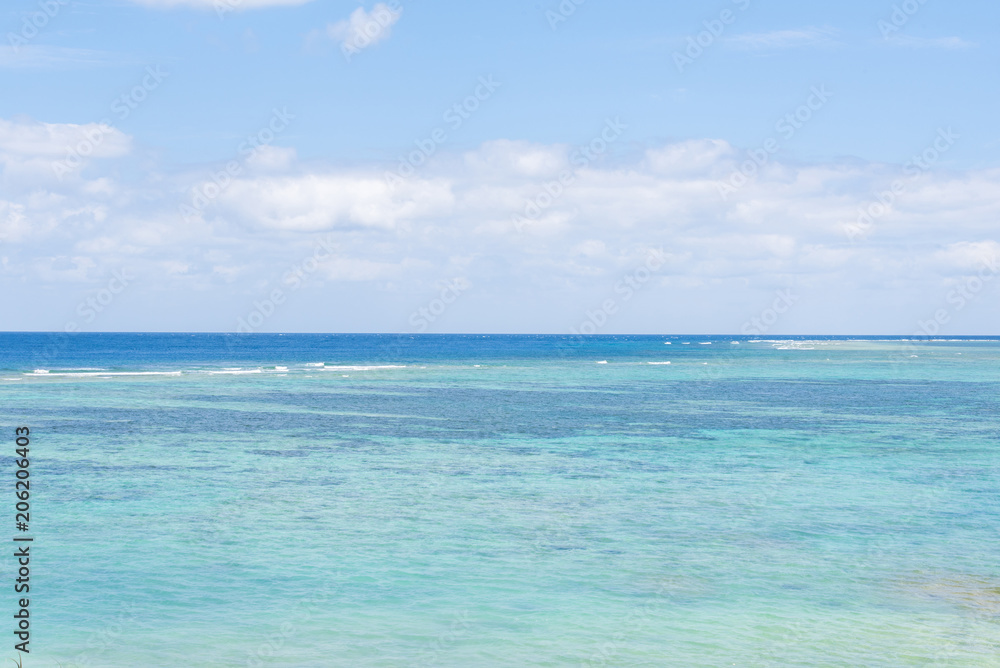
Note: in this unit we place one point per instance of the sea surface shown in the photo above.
(353, 500)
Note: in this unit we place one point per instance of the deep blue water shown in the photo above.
(19, 350)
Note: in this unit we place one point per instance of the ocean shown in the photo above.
(469, 500)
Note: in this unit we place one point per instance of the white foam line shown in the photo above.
(363, 368)
(235, 372)
(105, 374)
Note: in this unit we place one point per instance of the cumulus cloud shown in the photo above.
(33, 154)
(314, 202)
(583, 224)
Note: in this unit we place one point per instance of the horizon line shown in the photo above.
(761, 337)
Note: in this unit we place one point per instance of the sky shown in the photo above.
(651, 167)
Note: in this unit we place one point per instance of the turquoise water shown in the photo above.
(507, 501)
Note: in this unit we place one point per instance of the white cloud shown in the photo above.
(34, 154)
(33, 139)
(689, 157)
(590, 248)
(359, 270)
(363, 29)
(13, 224)
(966, 257)
(271, 159)
(314, 202)
(517, 158)
(909, 41)
(454, 218)
(792, 220)
(40, 56)
(784, 39)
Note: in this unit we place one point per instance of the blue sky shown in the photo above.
(370, 203)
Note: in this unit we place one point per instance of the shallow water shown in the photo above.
(466, 500)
